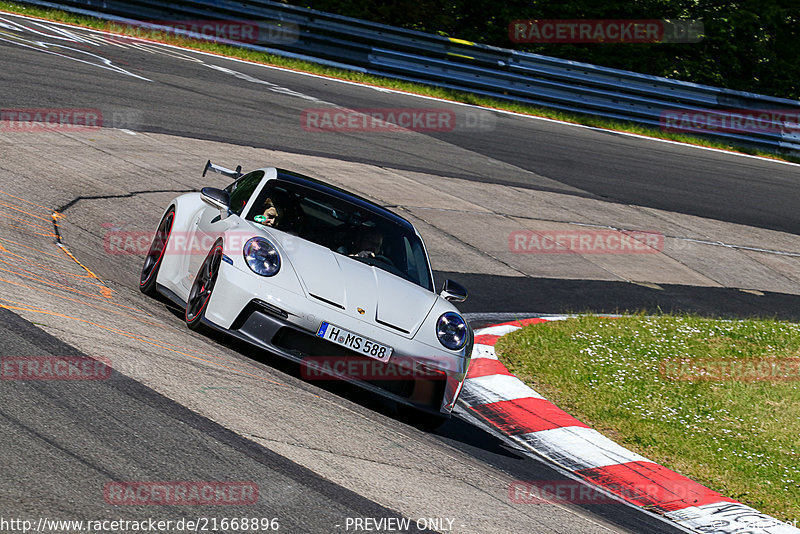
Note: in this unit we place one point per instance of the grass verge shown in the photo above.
(415, 88)
(692, 394)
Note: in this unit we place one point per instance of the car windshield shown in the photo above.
(344, 228)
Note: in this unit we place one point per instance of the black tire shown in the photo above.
(152, 262)
(420, 419)
(202, 287)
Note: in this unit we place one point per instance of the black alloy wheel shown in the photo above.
(202, 287)
(152, 262)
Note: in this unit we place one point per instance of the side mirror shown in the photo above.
(453, 291)
(218, 198)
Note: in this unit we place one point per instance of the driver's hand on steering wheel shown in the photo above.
(364, 254)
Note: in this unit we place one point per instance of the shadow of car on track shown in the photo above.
(525, 295)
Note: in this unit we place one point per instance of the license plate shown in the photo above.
(354, 342)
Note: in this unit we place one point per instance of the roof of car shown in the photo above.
(341, 194)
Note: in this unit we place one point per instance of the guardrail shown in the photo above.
(462, 65)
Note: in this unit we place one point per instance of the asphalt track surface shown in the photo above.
(247, 105)
(77, 437)
(190, 99)
(64, 440)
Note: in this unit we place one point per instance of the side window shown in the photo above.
(242, 189)
(417, 263)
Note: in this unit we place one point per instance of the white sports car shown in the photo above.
(318, 275)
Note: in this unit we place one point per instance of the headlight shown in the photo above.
(452, 331)
(262, 257)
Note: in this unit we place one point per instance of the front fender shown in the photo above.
(173, 268)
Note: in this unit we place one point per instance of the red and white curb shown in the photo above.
(501, 400)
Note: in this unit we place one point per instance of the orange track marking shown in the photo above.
(142, 340)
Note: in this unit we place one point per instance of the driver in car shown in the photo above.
(369, 244)
(271, 214)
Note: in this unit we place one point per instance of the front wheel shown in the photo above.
(152, 262)
(202, 287)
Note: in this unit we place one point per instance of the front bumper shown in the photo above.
(285, 323)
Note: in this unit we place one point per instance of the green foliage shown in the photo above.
(749, 45)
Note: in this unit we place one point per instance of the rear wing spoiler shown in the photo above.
(222, 170)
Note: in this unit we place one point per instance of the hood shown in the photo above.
(387, 300)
